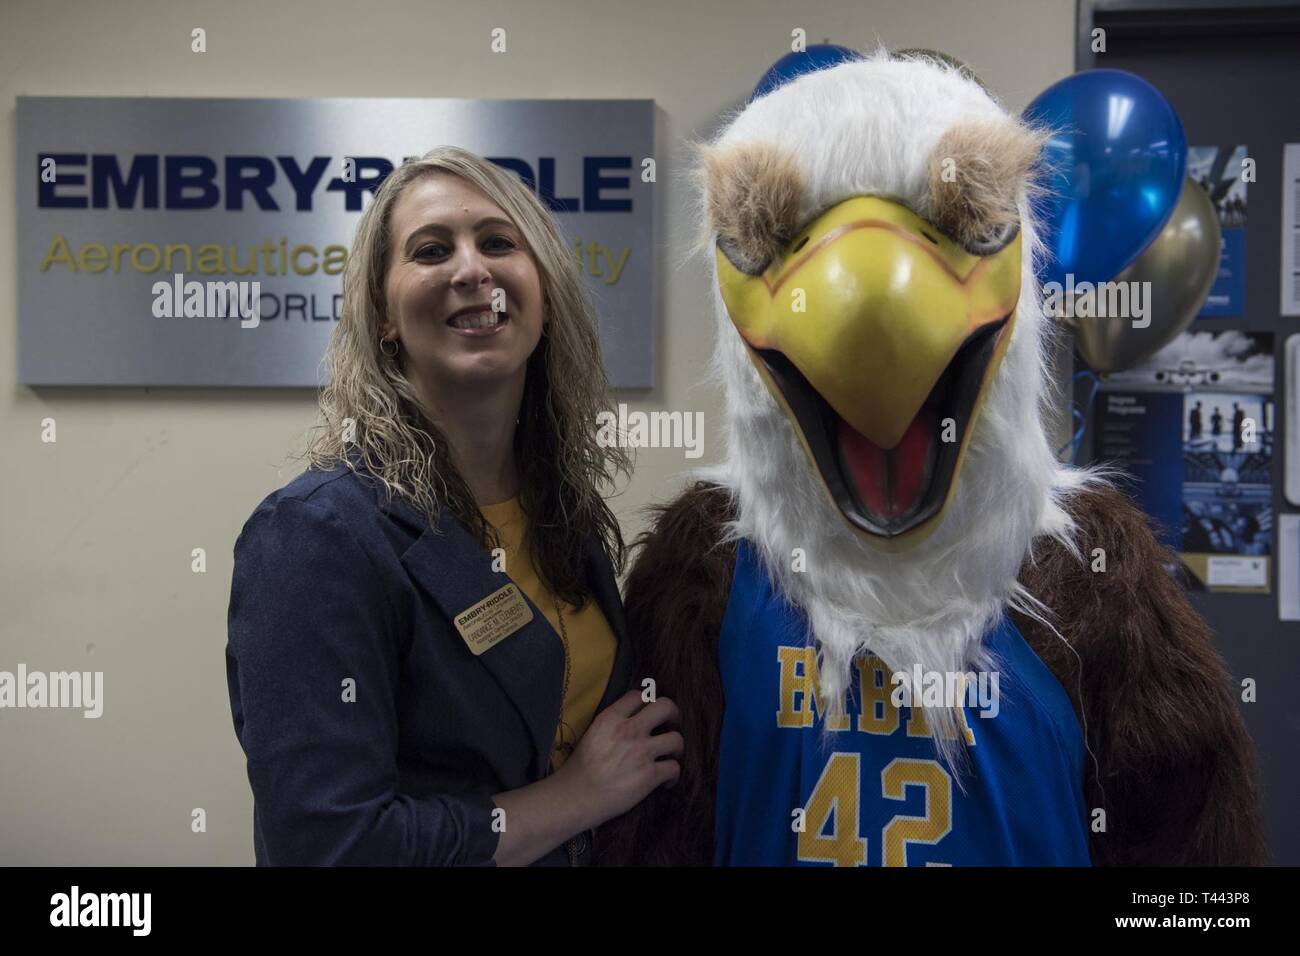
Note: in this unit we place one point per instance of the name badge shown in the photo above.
(493, 619)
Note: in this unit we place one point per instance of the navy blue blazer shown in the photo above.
(333, 582)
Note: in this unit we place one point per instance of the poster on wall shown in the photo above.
(1221, 170)
(1194, 425)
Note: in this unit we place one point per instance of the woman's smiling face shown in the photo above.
(450, 248)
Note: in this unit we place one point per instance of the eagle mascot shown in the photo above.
(899, 631)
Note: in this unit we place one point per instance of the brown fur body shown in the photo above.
(1175, 768)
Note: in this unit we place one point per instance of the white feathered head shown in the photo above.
(882, 349)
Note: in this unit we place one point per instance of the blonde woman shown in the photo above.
(426, 641)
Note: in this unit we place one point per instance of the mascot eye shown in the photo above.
(993, 240)
(754, 262)
(745, 260)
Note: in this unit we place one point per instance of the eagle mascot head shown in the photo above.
(882, 347)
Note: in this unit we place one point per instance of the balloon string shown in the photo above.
(1081, 417)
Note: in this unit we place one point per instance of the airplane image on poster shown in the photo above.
(1194, 426)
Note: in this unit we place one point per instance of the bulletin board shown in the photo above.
(1232, 71)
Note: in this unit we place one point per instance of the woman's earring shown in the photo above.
(393, 343)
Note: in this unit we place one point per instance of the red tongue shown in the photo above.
(890, 484)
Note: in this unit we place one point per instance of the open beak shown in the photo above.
(878, 336)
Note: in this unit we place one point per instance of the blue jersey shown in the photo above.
(869, 791)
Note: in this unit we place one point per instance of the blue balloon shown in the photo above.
(1118, 159)
(816, 57)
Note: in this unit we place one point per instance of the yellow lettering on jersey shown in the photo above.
(918, 726)
(834, 799)
(879, 715)
(930, 828)
(795, 709)
(800, 692)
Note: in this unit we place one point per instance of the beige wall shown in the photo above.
(96, 530)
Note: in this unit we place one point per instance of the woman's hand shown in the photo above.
(615, 766)
(620, 759)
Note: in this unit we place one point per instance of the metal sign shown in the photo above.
(202, 241)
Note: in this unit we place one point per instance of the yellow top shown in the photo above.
(591, 641)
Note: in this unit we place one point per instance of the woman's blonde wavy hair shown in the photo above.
(562, 465)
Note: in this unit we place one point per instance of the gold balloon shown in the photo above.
(1180, 265)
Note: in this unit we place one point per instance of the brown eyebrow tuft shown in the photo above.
(978, 170)
(753, 194)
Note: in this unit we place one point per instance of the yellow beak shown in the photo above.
(871, 304)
